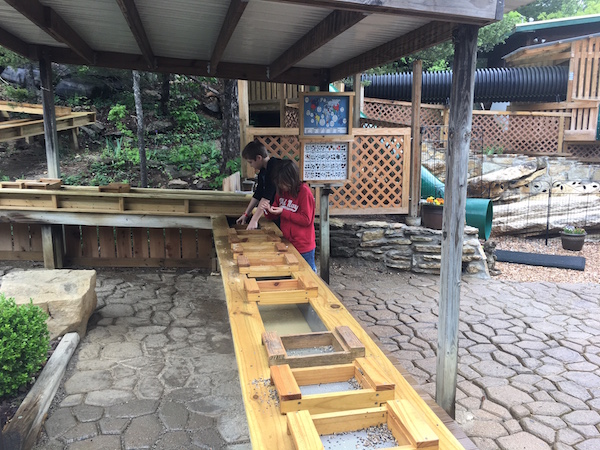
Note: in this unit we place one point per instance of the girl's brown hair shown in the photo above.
(288, 174)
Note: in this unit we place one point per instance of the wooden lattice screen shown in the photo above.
(380, 168)
(399, 113)
(93, 246)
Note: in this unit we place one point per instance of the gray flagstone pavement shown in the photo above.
(157, 368)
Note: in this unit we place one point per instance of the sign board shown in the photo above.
(326, 114)
(325, 162)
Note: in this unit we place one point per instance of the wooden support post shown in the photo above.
(50, 133)
(74, 139)
(457, 158)
(244, 119)
(415, 150)
(358, 100)
(324, 233)
(282, 103)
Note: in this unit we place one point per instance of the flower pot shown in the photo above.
(431, 216)
(573, 242)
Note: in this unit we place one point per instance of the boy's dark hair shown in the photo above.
(254, 149)
(288, 174)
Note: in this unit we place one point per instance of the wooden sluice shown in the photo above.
(279, 415)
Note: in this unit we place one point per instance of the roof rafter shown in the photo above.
(49, 21)
(334, 24)
(233, 16)
(426, 36)
(12, 42)
(132, 16)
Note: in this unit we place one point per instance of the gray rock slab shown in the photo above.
(87, 413)
(98, 442)
(523, 440)
(134, 408)
(87, 381)
(108, 397)
(143, 432)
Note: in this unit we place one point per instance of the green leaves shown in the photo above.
(23, 343)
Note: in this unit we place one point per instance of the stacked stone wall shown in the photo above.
(402, 247)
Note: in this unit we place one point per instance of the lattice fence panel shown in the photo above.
(291, 117)
(503, 133)
(378, 173)
(377, 177)
(589, 152)
(398, 113)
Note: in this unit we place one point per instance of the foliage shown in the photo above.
(556, 9)
(493, 150)
(437, 201)
(571, 229)
(117, 115)
(23, 343)
(19, 94)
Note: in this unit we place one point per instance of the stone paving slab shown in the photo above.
(156, 369)
(529, 353)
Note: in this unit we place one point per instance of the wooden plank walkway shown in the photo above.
(268, 427)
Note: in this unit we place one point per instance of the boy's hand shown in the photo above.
(241, 220)
(253, 225)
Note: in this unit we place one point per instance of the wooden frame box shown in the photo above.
(256, 236)
(280, 292)
(261, 247)
(346, 348)
(402, 419)
(259, 265)
(375, 389)
(326, 114)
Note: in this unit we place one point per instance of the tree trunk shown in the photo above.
(230, 125)
(165, 94)
(139, 112)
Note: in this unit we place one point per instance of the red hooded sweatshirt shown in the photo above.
(298, 218)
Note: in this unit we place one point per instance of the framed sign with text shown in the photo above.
(325, 162)
(326, 114)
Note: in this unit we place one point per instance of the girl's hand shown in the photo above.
(264, 204)
(275, 210)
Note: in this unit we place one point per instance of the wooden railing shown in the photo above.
(379, 169)
(142, 228)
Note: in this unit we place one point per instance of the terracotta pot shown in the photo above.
(431, 216)
(573, 242)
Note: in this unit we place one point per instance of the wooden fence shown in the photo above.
(379, 170)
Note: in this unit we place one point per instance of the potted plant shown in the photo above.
(432, 212)
(572, 238)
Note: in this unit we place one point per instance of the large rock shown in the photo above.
(68, 296)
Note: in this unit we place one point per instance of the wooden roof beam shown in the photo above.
(132, 16)
(428, 35)
(49, 21)
(461, 11)
(334, 24)
(295, 75)
(233, 16)
(12, 42)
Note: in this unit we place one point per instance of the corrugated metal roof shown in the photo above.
(184, 35)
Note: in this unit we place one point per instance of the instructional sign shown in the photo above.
(326, 114)
(325, 161)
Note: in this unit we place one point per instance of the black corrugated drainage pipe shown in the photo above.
(518, 84)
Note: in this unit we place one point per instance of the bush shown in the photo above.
(24, 341)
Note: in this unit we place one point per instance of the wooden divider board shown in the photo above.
(280, 292)
(268, 428)
(375, 387)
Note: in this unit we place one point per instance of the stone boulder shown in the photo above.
(68, 296)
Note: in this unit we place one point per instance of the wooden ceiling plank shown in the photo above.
(49, 21)
(426, 36)
(233, 16)
(12, 42)
(333, 25)
(132, 16)
(461, 11)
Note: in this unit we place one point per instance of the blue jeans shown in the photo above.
(310, 259)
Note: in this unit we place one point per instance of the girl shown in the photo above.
(295, 205)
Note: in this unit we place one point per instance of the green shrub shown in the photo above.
(23, 343)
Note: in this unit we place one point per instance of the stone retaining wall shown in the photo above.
(399, 246)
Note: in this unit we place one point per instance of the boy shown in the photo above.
(257, 156)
